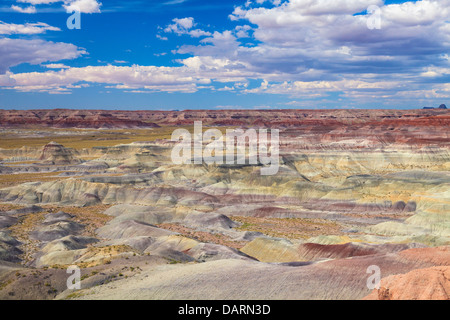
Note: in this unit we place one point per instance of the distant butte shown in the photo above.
(442, 106)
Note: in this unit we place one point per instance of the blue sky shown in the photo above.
(196, 54)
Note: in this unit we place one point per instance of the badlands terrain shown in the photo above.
(98, 189)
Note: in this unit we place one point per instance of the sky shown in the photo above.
(217, 54)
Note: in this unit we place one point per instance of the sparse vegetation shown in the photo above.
(83, 138)
(289, 228)
(10, 180)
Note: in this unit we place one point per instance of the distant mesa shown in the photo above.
(62, 118)
(442, 106)
(117, 119)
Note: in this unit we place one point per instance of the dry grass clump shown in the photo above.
(10, 206)
(21, 231)
(10, 180)
(85, 139)
(96, 256)
(81, 139)
(288, 228)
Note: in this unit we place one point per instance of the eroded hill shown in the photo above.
(355, 188)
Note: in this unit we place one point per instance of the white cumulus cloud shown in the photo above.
(16, 51)
(28, 28)
(185, 26)
(84, 6)
(30, 9)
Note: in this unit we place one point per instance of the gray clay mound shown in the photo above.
(146, 214)
(173, 255)
(9, 252)
(208, 252)
(209, 220)
(6, 221)
(131, 229)
(53, 231)
(6, 238)
(69, 243)
(249, 236)
(29, 209)
(137, 243)
(57, 216)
